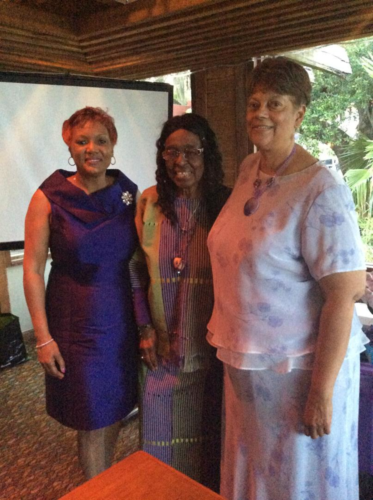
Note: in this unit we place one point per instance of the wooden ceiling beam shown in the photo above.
(137, 12)
(163, 36)
(20, 62)
(153, 66)
(200, 29)
(198, 37)
(35, 21)
(273, 13)
(54, 56)
(154, 48)
(187, 19)
(200, 41)
(125, 2)
(32, 40)
(198, 61)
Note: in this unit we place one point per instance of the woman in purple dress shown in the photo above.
(83, 321)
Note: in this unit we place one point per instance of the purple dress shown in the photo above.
(89, 301)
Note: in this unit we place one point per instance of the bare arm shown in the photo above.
(36, 251)
(340, 291)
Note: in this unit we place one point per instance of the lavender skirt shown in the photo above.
(266, 456)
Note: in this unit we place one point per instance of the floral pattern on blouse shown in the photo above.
(266, 266)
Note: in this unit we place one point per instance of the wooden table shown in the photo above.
(141, 477)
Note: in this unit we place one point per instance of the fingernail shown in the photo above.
(63, 370)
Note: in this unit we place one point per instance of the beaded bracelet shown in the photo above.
(45, 343)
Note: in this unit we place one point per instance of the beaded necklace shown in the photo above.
(252, 204)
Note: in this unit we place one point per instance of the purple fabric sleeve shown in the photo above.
(141, 305)
(139, 283)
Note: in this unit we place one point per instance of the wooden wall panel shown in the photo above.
(219, 95)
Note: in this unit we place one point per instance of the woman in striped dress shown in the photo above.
(181, 389)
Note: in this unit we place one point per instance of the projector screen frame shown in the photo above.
(73, 80)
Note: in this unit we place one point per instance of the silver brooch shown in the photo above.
(127, 198)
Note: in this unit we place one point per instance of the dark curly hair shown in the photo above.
(282, 76)
(211, 184)
(89, 114)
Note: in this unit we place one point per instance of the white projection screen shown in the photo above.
(32, 110)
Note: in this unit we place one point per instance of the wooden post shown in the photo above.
(4, 293)
(219, 94)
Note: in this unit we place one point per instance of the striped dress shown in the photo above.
(181, 400)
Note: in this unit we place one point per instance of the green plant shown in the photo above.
(337, 101)
(367, 63)
(356, 159)
(366, 231)
(358, 165)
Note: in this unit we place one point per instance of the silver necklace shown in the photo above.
(186, 235)
(252, 204)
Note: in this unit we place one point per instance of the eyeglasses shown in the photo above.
(189, 154)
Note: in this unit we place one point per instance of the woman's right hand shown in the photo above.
(51, 360)
(148, 347)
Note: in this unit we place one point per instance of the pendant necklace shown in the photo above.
(186, 234)
(252, 204)
(184, 237)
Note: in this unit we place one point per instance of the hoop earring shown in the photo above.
(71, 164)
(111, 161)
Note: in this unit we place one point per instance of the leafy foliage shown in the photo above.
(353, 156)
(366, 230)
(334, 101)
(357, 162)
(367, 63)
(335, 98)
(181, 84)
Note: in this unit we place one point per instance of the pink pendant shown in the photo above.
(178, 263)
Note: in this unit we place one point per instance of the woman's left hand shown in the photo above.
(148, 342)
(317, 417)
(340, 292)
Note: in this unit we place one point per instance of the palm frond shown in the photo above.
(353, 156)
(357, 177)
(360, 183)
(369, 152)
(367, 63)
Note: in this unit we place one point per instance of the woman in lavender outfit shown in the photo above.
(287, 267)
